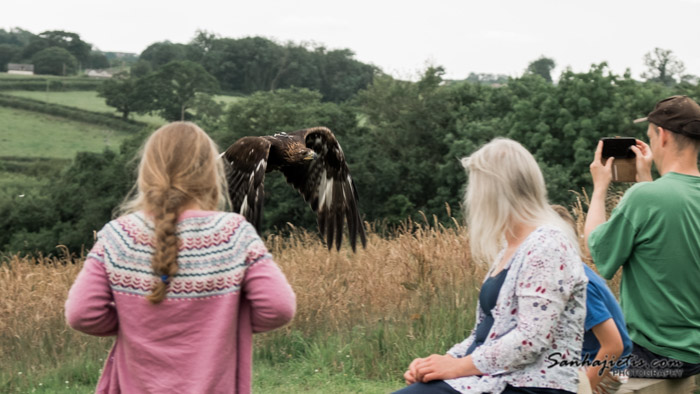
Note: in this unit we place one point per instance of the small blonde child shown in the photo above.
(180, 284)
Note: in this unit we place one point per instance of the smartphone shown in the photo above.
(618, 147)
(624, 168)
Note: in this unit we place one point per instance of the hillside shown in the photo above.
(37, 140)
(87, 100)
(28, 134)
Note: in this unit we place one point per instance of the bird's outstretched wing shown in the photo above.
(246, 163)
(327, 186)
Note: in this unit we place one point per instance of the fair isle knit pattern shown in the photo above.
(215, 252)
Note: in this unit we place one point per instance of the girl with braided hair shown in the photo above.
(181, 284)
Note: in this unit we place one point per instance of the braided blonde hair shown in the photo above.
(179, 167)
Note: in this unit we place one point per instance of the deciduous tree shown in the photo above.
(54, 61)
(663, 67)
(8, 52)
(542, 67)
(171, 90)
(121, 92)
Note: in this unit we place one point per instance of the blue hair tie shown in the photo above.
(165, 280)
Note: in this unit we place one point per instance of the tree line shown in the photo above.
(240, 66)
(402, 140)
(54, 52)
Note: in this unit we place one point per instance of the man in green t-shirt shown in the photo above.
(654, 234)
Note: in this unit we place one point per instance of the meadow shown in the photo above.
(90, 101)
(87, 100)
(361, 318)
(28, 134)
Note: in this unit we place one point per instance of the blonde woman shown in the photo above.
(180, 284)
(531, 307)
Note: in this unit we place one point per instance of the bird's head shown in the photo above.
(299, 153)
(310, 154)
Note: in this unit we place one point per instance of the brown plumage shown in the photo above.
(311, 161)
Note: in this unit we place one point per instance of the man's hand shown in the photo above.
(601, 173)
(643, 161)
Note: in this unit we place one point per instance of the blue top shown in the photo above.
(487, 299)
(601, 305)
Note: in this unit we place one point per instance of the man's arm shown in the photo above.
(602, 176)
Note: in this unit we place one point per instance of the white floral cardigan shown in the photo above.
(538, 320)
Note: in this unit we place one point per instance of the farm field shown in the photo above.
(360, 317)
(88, 100)
(5, 75)
(13, 185)
(28, 134)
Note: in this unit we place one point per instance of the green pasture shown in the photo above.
(28, 134)
(88, 100)
(4, 75)
(14, 185)
(75, 377)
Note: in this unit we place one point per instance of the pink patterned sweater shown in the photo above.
(198, 340)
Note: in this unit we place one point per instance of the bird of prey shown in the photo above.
(311, 161)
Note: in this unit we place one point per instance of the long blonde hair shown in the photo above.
(505, 187)
(179, 166)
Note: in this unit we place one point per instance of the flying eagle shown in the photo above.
(311, 161)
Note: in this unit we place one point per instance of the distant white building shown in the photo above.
(22, 69)
(98, 73)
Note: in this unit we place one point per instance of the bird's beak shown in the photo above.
(311, 156)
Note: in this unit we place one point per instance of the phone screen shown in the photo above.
(618, 147)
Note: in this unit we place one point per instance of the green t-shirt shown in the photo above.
(654, 233)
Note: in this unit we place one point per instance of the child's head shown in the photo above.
(180, 167)
(566, 215)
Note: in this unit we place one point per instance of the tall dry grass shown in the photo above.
(34, 338)
(392, 278)
(366, 313)
(417, 286)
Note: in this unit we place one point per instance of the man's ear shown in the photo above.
(664, 136)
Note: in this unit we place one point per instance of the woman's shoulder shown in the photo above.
(551, 240)
(548, 233)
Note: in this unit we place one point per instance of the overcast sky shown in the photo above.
(401, 37)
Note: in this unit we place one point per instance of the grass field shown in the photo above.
(88, 100)
(29, 134)
(5, 75)
(14, 185)
(360, 317)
